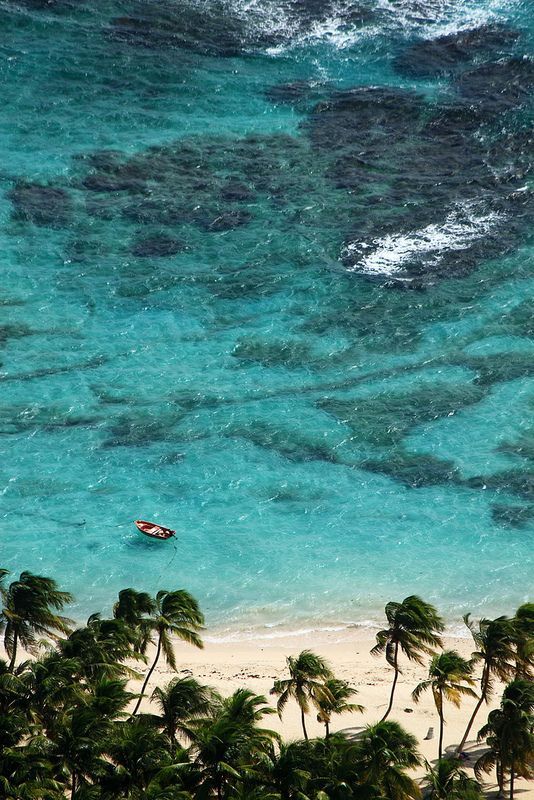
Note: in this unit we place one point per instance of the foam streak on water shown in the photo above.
(388, 256)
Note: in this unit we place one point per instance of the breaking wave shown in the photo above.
(391, 254)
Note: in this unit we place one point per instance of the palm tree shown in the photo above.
(133, 608)
(53, 685)
(414, 628)
(28, 611)
(82, 732)
(245, 708)
(291, 770)
(176, 614)
(339, 691)
(509, 735)
(109, 698)
(179, 781)
(26, 772)
(228, 743)
(385, 751)
(80, 739)
(101, 648)
(181, 700)
(308, 673)
(447, 781)
(14, 694)
(495, 641)
(449, 677)
(321, 768)
(138, 753)
(524, 629)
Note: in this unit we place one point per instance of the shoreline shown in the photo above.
(329, 629)
(256, 664)
(328, 634)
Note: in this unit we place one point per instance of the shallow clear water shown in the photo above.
(267, 279)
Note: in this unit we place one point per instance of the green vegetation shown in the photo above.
(66, 728)
(496, 642)
(334, 701)
(448, 781)
(307, 684)
(414, 628)
(449, 677)
(510, 736)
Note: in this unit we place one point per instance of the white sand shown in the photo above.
(256, 664)
(227, 666)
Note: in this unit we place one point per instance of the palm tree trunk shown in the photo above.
(149, 673)
(303, 723)
(483, 687)
(73, 786)
(396, 668)
(500, 778)
(441, 726)
(14, 653)
(512, 769)
(327, 729)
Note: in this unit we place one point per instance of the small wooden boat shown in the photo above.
(154, 530)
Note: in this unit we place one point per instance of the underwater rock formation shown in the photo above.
(383, 420)
(157, 247)
(512, 516)
(499, 86)
(429, 58)
(48, 206)
(413, 469)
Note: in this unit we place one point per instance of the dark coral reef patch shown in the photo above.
(428, 58)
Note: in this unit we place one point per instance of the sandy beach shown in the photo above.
(256, 664)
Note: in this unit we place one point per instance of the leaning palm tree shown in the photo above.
(102, 649)
(176, 614)
(414, 628)
(384, 752)
(29, 606)
(449, 678)
(308, 673)
(340, 691)
(509, 733)
(495, 642)
(133, 608)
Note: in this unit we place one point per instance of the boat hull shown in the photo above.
(153, 530)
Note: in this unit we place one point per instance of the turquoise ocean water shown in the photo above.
(267, 278)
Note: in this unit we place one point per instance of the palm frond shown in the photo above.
(419, 689)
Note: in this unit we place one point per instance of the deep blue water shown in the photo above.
(267, 278)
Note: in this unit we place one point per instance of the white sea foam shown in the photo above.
(332, 633)
(266, 633)
(433, 18)
(337, 28)
(389, 254)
